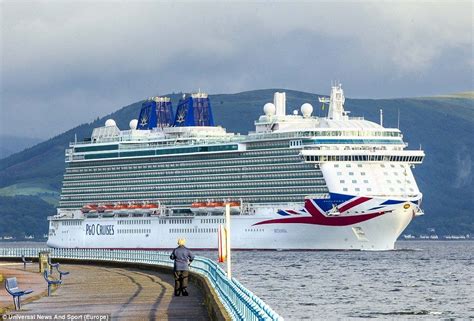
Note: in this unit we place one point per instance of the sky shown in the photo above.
(64, 63)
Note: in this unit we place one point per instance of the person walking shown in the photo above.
(182, 257)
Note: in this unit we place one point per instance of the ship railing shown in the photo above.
(148, 141)
(239, 302)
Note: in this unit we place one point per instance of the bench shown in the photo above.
(23, 259)
(12, 288)
(61, 273)
(50, 281)
(52, 265)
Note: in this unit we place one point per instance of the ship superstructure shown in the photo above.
(297, 182)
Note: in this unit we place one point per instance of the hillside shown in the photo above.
(13, 144)
(443, 126)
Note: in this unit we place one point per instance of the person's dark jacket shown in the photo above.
(182, 257)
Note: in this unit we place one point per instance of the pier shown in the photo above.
(130, 285)
(121, 293)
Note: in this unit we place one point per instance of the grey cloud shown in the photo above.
(74, 61)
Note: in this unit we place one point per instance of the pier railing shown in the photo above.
(240, 303)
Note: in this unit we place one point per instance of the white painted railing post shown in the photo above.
(227, 235)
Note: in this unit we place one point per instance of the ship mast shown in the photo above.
(336, 103)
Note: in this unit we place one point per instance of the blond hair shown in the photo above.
(181, 242)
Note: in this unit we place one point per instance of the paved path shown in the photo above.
(124, 293)
(26, 279)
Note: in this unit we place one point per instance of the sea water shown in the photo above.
(419, 280)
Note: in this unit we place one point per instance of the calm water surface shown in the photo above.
(420, 280)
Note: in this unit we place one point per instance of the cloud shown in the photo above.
(89, 58)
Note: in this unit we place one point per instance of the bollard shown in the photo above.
(43, 261)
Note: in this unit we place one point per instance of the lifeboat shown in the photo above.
(150, 206)
(120, 208)
(109, 207)
(198, 204)
(89, 208)
(215, 207)
(135, 206)
(199, 207)
(234, 207)
(105, 208)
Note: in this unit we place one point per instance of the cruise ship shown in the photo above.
(298, 182)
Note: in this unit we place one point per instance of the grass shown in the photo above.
(27, 189)
(465, 95)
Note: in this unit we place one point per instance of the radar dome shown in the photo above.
(133, 124)
(110, 123)
(306, 109)
(269, 109)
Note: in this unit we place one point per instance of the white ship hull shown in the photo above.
(247, 232)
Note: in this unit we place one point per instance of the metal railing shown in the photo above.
(240, 303)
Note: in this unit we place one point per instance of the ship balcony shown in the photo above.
(322, 156)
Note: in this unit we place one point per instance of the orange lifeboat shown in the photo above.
(135, 206)
(105, 208)
(199, 207)
(88, 208)
(198, 204)
(234, 207)
(215, 207)
(215, 204)
(120, 207)
(150, 206)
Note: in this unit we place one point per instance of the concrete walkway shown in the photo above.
(123, 293)
(26, 279)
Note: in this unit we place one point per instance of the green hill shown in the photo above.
(13, 144)
(443, 126)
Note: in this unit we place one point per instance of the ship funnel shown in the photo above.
(156, 112)
(195, 110)
(279, 100)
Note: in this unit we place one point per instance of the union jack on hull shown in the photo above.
(338, 210)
